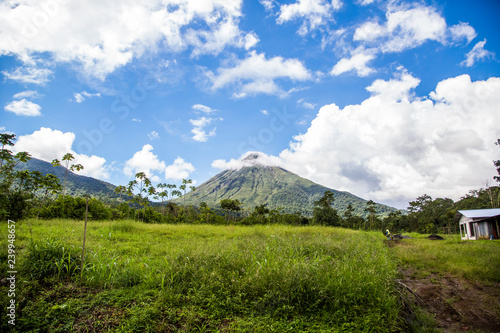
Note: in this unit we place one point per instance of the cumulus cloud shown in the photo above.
(395, 146)
(24, 108)
(268, 4)
(48, 144)
(199, 132)
(314, 13)
(357, 63)
(179, 169)
(477, 53)
(104, 40)
(257, 75)
(463, 31)
(31, 75)
(144, 161)
(404, 29)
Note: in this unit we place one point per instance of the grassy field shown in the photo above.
(477, 261)
(174, 278)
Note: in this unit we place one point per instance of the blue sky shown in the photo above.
(385, 99)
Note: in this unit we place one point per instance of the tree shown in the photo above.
(16, 187)
(183, 188)
(142, 184)
(120, 190)
(323, 212)
(230, 205)
(372, 211)
(163, 194)
(261, 211)
(68, 157)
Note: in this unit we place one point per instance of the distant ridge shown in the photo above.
(256, 183)
(76, 185)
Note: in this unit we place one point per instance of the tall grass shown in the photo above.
(208, 278)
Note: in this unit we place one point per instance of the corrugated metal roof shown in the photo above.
(480, 213)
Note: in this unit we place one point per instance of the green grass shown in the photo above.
(474, 260)
(149, 278)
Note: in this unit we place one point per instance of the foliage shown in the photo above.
(274, 187)
(230, 206)
(324, 213)
(18, 188)
(428, 215)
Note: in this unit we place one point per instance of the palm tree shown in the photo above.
(68, 157)
(183, 187)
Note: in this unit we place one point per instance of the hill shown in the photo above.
(76, 185)
(256, 184)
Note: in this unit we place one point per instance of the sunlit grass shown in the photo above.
(475, 260)
(185, 277)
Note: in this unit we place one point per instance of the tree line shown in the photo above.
(32, 194)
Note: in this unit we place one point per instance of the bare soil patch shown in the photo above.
(457, 305)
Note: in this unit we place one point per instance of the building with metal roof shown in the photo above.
(479, 224)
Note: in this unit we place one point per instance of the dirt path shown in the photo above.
(456, 304)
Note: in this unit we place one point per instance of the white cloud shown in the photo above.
(219, 36)
(203, 108)
(369, 31)
(199, 133)
(358, 63)
(47, 144)
(461, 31)
(256, 75)
(306, 105)
(264, 112)
(153, 135)
(31, 75)
(179, 169)
(365, 2)
(314, 13)
(404, 29)
(248, 159)
(144, 161)
(478, 52)
(394, 146)
(268, 4)
(103, 40)
(24, 108)
(80, 97)
(31, 94)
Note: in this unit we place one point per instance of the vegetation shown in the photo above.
(195, 275)
(32, 193)
(205, 278)
(477, 261)
(274, 187)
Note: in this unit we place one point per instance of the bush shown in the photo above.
(50, 258)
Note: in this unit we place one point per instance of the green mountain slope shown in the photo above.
(276, 187)
(76, 185)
